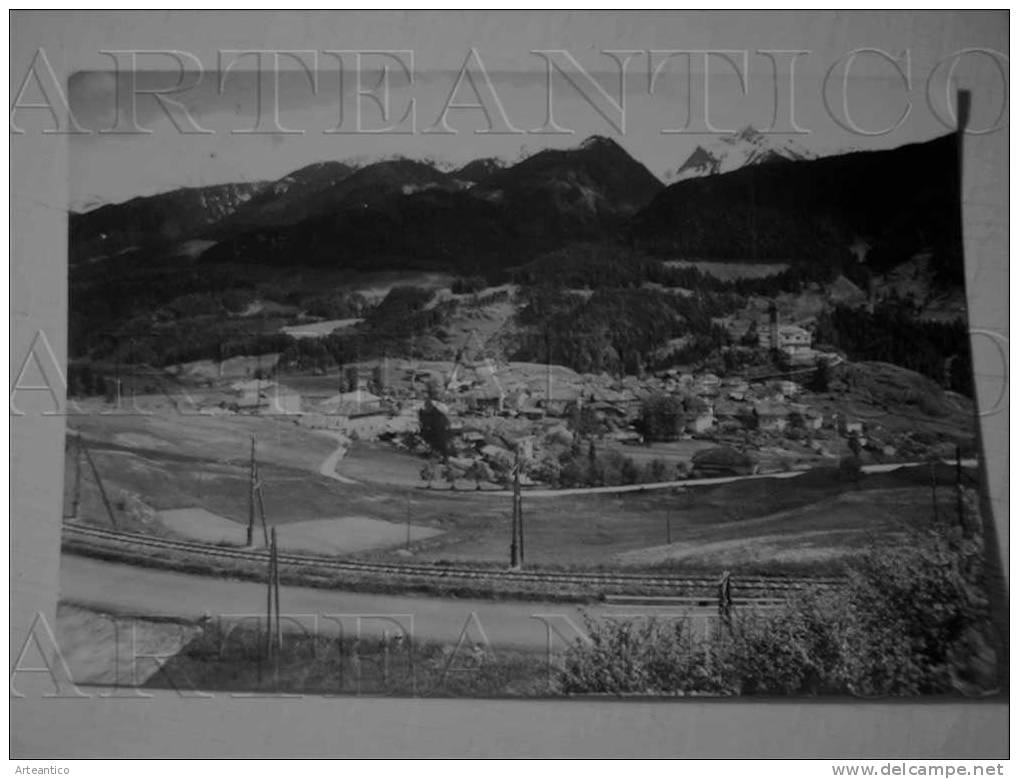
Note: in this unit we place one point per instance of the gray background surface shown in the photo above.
(168, 725)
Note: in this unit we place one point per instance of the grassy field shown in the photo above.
(334, 536)
(803, 525)
(768, 525)
(379, 464)
(167, 433)
(728, 271)
(317, 329)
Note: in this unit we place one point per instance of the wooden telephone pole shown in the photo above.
(255, 497)
(517, 530)
(520, 515)
(959, 513)
(76, 490)
(548, 368)
(81, 450)
(251, 494)
(273, 630)
(408, 523)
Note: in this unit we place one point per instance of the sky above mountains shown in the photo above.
(108, 167)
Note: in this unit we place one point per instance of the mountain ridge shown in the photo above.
(407, 212)
(154, 220)
(731, 152)
(884, 206)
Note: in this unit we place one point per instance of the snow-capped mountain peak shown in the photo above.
(727, 153)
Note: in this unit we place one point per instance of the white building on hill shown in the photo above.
(791, 339)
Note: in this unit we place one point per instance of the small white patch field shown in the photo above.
(342, 535)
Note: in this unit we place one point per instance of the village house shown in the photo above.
(813, 419)
(257, 396)
(497, 454)
(627, 436)
(474, 438)
(250, 404)
(727, 409)
(802, 416)
(786, 388)
(701, 423)
(599, 394)
(486, 400)
(852, 428)
(685, 381)
(609, 412)
(735, 388)
(791, 339)
(699, 416)
(771, 417)
(730, 417)
(532, 413)
(421, 376)
(559, 401)
(707, 384)
(525, 447)
(354, 403)
(516, 399)
(488, 394)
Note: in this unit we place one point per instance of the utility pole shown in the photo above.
(668, 525)
(76, 494)
(132, 369)
(116, 375)
(408, 522)
(276, 595)
(515, 552)
(251, 494)
(725, 599)
(520, 518)
(268, 609)
(258, 377)
(273, 629)
(255, 496)
(548, 367)
(99, 481)
(514, 555)
(934, 489)
(261, 508)
(958, 489)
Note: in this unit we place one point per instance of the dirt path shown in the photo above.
(664, 485)
(328, 466)
(131, 590)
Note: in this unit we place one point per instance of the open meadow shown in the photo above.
(187, 475)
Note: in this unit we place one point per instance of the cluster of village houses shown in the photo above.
(714, 407)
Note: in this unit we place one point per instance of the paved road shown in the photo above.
(149, 592)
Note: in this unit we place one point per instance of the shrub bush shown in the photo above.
(911, 620)
(630, 657)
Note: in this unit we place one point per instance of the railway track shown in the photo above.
(594, 583)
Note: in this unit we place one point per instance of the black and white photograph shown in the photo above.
(630, 359)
